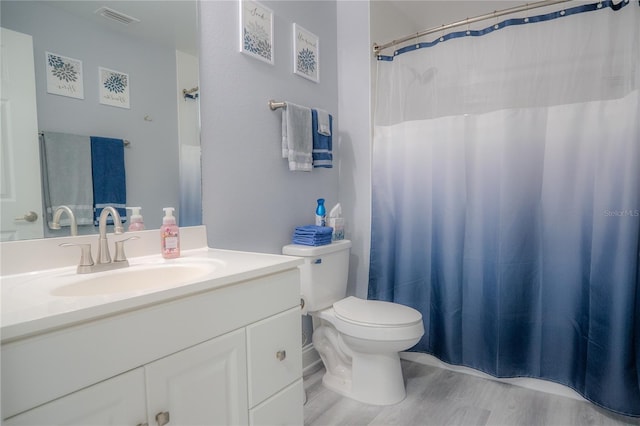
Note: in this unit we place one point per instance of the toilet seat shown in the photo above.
(357, 315)
(375, 313)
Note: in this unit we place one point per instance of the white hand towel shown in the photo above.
(297, 142)
(324, 127)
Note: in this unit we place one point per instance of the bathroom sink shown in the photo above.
(135, 278)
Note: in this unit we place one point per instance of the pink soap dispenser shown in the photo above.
(136, 223)
(169, 235)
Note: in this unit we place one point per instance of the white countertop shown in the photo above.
(30, 308)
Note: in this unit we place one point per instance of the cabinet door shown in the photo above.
(117, 401)
(202, 385)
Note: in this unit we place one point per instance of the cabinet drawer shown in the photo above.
(284, 408)
(274, 354)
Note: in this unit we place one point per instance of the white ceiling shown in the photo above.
(170, 23)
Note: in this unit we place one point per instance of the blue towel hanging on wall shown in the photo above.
(322, 144)
(109, 181)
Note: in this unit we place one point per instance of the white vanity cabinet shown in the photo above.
(226, 356)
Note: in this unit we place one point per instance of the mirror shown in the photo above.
(158, 52)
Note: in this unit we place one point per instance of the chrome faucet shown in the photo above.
(104, 262)
(55, 224)
(103, 247)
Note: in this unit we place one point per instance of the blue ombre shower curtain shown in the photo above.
(506, 199)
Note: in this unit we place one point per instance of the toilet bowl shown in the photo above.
(359, 343)
(358, 340)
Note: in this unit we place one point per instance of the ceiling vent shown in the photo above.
(116, 16)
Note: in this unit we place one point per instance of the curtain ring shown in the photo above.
(442, 33)
(468, 29)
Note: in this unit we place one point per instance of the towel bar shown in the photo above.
(126, 142)
(275, 105)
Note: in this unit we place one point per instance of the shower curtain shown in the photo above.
(506, 198)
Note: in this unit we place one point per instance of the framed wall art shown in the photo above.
(256, 30)
(306, 54)
(64, 76)
(114, 87)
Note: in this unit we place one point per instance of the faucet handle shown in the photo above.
(120, 256)
(86, 261)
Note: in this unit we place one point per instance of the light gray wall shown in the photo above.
(251, 201)
(354, 65)
(151, 161)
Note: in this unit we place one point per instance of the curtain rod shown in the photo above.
(378, 47)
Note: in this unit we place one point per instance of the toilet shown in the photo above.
(358, 340)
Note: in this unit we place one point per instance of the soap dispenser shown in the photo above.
(169, 235)
(136, 222)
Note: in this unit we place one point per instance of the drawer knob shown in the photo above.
(281, 355)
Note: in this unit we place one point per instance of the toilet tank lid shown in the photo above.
(302, 250)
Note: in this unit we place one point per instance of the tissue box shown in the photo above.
(337, 223)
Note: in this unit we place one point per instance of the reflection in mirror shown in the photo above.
(156, 51)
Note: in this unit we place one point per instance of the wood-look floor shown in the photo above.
(438, 397)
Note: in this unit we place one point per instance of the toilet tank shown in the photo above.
(324, 274)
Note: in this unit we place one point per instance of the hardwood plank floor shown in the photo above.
(438, 397)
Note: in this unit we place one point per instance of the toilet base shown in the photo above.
(376, 379)
(365, 368)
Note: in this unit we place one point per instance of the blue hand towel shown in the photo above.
(307, 242)
(66, 176)
(109, 182)
(324, 125)
(313, 230)
(322, 144)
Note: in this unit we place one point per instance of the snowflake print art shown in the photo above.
(257, 42)
(306, 61)
(256, 30)
(306, 51)
(114, 88)
(64, 76)
(116, 83)
(66, 72)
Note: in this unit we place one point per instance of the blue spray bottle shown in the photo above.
(321, 213)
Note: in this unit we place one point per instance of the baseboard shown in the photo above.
(311, 361)
(524, 382)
